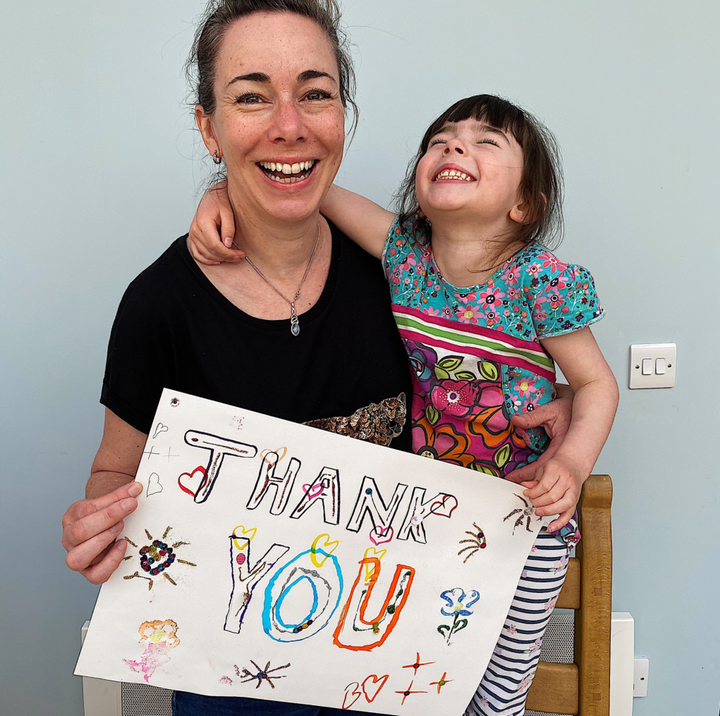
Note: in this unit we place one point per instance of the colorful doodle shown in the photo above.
(161, 636)
(323, 545)
(370, 503)
(419, 509)
(442, 681)
(326, 587)
(365, 634)
(458, 607)
(219, 448)
(407, 692)
(267, 479)
(477, 541)
(157, 557)
(417, 664)
(246, 576)
(324, 489)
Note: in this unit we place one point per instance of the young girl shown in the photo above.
(484, 309)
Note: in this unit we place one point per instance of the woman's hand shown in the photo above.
(91, 526)
(554, 418)
(214, 219)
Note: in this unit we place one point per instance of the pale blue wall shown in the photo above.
(98, 176)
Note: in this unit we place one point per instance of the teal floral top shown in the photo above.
(475, 352)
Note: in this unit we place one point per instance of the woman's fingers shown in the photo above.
(90, 526)
(89, 553)
(100, 572)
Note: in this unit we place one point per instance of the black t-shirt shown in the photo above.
(346, 371)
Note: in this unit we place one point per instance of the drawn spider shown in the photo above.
(528, 511)
(260, 675)
(477, 542)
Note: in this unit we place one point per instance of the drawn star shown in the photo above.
(417, 664)
(407, 692)
(442, 681)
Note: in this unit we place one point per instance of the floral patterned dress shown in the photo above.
(475, 352)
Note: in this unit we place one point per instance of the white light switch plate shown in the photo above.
(661, 357)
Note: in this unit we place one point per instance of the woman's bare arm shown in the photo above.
(90, 526)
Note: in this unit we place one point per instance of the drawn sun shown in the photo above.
(157, 558)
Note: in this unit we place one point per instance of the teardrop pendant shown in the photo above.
(294, 322)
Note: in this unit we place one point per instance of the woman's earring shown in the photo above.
(216, 158)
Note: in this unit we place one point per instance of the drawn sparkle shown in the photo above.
(408, 691)
(156, 558)
(441, 681)
(260, 675)
(415, 666)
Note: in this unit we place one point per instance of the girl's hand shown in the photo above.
(556, 490)
(214, 219)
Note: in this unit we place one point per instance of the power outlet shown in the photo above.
(641, 671)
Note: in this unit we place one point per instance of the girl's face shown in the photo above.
(472, 171)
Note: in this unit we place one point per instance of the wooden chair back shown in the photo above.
(583, 688)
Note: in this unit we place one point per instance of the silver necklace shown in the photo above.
(294, 322)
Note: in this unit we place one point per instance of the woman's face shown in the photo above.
(279, 122)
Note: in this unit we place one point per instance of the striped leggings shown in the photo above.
(504, 686)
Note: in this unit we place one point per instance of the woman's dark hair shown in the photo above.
(220, 14)
(541, 181)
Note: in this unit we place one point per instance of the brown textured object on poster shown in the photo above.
(583, 688)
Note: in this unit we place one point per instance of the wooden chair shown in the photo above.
(583, 688)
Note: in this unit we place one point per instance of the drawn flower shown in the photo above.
(455, 397)
(551, 604)
(458, 602)
(458, 607)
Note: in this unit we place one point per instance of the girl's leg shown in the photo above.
(504, 686)
(185, 704)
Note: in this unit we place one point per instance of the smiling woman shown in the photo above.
(272, 84)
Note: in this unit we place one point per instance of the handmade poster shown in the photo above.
(278, 561)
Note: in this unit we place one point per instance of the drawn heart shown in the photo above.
(381, 535)
(374, 686)
(160, 428)
(154, 485)
(189, 483)
(322, 543)
(240, 531)
(314, 490)
(444, 507)
(372, 552)
(356, 694)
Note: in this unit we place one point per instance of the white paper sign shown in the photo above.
(277, 561)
